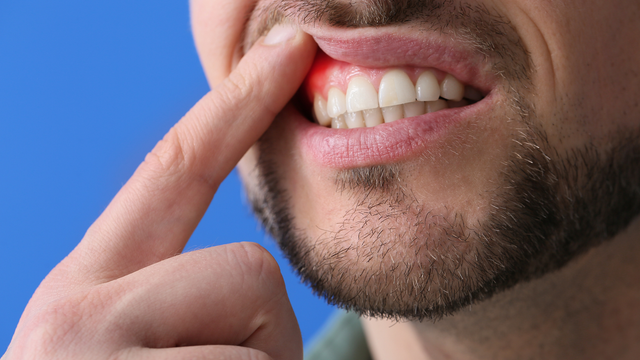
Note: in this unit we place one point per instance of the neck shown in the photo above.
(590, 309)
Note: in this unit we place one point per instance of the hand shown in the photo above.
(125, 293)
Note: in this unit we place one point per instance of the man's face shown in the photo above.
(420, 216)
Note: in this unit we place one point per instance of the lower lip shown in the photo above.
(383, 144)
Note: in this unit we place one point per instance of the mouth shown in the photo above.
(347, 96)
(377, 97)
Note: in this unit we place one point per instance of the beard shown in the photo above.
(396, 257)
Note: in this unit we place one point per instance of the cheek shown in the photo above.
(468, 170)
(218, 27)
(311, 192)
(586, 79)
(316, 204)
(247, 168)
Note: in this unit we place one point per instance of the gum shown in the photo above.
(326, 73)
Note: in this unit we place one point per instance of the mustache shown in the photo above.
(365, 13)
(483, 28)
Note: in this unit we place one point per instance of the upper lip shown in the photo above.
(388, 47)
(404, 46)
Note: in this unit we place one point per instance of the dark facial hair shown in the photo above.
(551, 206)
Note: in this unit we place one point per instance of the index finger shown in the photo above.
(155, 213)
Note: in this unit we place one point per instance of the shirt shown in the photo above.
(341, 338)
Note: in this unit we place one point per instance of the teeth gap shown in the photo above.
(357, 108)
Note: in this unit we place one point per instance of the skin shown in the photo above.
(587, 309)
(123, 267)
(124, 293)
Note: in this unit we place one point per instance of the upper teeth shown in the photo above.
(361, 95)
(396, 98)
(396, 89)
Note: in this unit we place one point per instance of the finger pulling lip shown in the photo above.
(383, 144)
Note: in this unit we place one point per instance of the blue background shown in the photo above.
(86, 90)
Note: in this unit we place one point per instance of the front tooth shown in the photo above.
(320, 111)
(354, 119)
(433, 106)
(413, 109)
(396, 89)
(338, 122)
(392, 113)
(451, 88)
(336, 103)
(427, 87)
(361, 95)
(373, 117)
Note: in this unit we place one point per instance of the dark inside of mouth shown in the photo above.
(471, 97)
(303, 105)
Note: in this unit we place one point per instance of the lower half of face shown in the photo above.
(487, 204)
(431, 212)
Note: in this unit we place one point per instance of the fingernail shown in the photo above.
(280, 33)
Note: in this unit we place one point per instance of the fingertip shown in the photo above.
(287, 37)
(280, 34)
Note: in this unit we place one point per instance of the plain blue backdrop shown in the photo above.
(86, 90)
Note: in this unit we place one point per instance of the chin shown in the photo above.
(414, 207)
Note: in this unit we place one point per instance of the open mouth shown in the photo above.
(379, 97)
(346, 96)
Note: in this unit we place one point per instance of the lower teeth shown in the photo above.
(378, 116)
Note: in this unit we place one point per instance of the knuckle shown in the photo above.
(53, 330)
(246, 85)
(258, 262)
(237, 85)
(172, 155)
